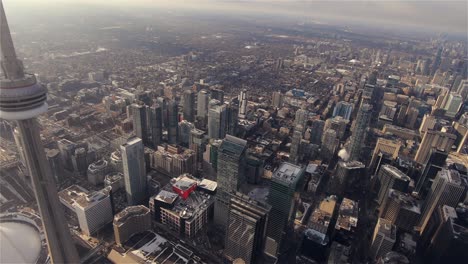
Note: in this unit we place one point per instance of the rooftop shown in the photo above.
(396, 172)
(166, 197)
(347, 215)
(387, 228)
(233, 145)
(288, 173)
(208, 185)
(69, 195)
(128, 212)
(406, 200)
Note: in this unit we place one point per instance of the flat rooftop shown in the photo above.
(233, 145)
(130, 211)
(347, 215)
(166, 197)
(288, 172)
(208, 185)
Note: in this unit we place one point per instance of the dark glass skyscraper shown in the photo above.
(282, 197)
(359, 132)
(230, 165)
(245, 233)
(133, 160)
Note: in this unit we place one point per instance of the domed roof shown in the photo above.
(20, 243)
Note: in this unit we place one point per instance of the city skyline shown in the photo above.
(257, 131)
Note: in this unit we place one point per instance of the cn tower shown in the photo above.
(22, 99)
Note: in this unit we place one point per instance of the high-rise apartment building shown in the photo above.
(316, 131)
(283, 196)
(301, 117)
(184, 132)
(329, 144)
(359, 134)
(203, 99)
(343, 109)
(338, 124)
(434, 139)
(428, 123)
(245, 234)
(453, 104)
(133, 159)
(277, 99)
(243, 103)
(22, 99)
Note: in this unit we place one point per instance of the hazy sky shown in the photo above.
(436, 15)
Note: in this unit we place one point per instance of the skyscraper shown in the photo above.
(283, 195)
(329, 144)
(401, 209)
(358, 137)
(388, 178)
(446, 240)
(349, 179)
(155, 123)
(140, 126)
(435, 163)
(198, 144)
(56, 164)
(22, 99)
(232, 114)
(453, 104)
(295, 144)
(385, 147)
(245, 234)
(231, 158)
(343, 109)
(277, 99)
(432, 139)
(383, 239)
(217, 116)
(184, 132)
(317, 129)
(301, 117)
(243, 103)
(447, 189)
(189, 105)
(203, 99)
(338, 124)
(133, 160)
(173, 122)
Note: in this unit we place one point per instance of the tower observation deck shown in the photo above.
(21, 100)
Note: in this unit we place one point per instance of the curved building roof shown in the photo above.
(14, 248)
